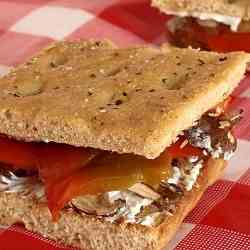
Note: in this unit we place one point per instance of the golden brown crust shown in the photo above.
(239, 8)
(89, 233)
(134, 100)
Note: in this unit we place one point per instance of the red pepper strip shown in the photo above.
(229, 41)
(54, 161)
(21, 155)
(57, 161)
(177, 150)
(225, 104)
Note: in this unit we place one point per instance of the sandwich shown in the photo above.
(108, 148)
(220, 25)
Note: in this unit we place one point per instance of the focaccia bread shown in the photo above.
(134, 100)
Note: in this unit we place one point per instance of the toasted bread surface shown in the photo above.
(134, 100)
(87, 232)
(239, 8)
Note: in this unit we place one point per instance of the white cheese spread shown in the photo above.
(133, 205)
(191, 178)
(151, 219)
(231, 21)
(175, 179)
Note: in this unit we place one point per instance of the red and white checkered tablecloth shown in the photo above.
(222, 218)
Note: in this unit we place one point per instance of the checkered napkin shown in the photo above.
(222, 218)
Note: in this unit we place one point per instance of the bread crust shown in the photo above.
(239, 8)
(90, 233)
(134, 100)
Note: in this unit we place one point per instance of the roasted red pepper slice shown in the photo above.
(181, 149)
(57, 161)
(20, 155)
(229, 41)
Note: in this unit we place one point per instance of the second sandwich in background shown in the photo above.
(221, 26)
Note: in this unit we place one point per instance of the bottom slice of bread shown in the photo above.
(89, 233)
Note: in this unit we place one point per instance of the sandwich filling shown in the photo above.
(209, 34)
(231, 21)
(117, 188)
